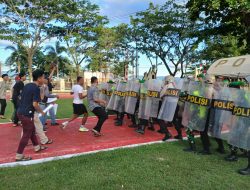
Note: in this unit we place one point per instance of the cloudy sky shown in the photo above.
(118, 11)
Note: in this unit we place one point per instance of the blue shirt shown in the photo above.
(30, 94)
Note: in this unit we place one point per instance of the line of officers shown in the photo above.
(211, 106)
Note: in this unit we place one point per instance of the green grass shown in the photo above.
(65, 109)
(160, 166)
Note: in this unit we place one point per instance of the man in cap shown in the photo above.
(3, 90)
(16, 96)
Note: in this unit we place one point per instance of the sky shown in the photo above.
(118, 11)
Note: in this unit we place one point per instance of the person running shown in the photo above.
(96, 106)
(28, 105)
(78, 106)
(3, 90)
(16, 96)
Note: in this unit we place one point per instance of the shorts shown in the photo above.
(79, 109)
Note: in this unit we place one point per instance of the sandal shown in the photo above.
(50, 141)
(2, 117)
(23, 159)
(41, 148)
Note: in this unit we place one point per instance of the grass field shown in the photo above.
(64, 109)
(160, 166)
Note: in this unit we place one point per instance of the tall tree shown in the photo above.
(80, 29)
(18, 57)
(54, 54)
(30, 23)
(166, 32)
(222, 17)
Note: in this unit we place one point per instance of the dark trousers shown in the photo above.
(163, 126)
(248, 155)
(28, 133)
(102, 116)
(205, 138)
(204, 135)
(15, 118)
(3, 106)
(177, 121)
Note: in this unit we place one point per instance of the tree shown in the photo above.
(55, 55)
(30, 23)
(222, 17)
(80, 31)
(165, 32)
(18, 57)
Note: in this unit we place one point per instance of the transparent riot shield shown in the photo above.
(153, 98)
(239, 135)
(170, 100)
(132, 95)
(103, 91)
(221, 112)
(197, 105)
(111, 102)
(142, 104)
(119, 102)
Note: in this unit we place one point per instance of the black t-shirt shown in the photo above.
(30, 94)
(17, 90)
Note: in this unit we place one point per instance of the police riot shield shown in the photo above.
(111, 102)
(221, 112)
(239, 135)
(103, 91)
(132, 95)
(142, 104)
(170, 100)
(153, 98)
(197, 105)
(109, 92)
(119, 102)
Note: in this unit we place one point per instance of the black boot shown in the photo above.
(245, 171)
(205, 152)
(141, 129)
(151, 127)
(220, 148)
(167, 136)
(192, 148)
(233, 156)
(118, 123)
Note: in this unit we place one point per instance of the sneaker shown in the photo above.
(64, 124)
(83, 129)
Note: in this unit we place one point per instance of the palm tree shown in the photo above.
(17, 57)
(55, 55)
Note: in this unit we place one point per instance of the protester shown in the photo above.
(28, 105)
(3, 90)
(78, 106)
(96, 106)
(16, 96)
(43, 104)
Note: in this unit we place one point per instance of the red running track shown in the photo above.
(70, 141)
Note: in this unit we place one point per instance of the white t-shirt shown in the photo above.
(77, 89)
